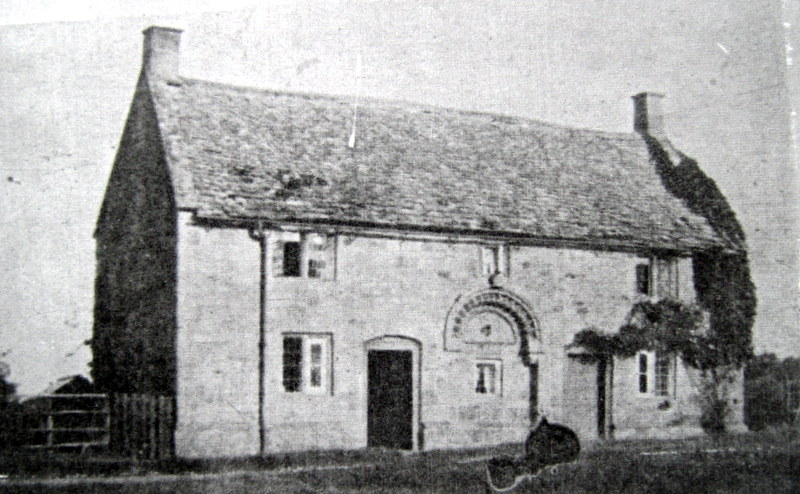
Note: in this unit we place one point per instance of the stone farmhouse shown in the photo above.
(413, 286)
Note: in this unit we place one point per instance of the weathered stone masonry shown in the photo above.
(391, 287)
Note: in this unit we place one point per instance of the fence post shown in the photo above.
(151, 439)
(163, 426)
(49, 428)
(128, 425)
(169, 420)
(142, 426)
(141, 423)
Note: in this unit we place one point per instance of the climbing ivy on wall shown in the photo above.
(724, 288)
(665, 325)
(722, 277)
(678, 328)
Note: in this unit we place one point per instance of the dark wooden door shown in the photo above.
(601, 398)
(389, 404)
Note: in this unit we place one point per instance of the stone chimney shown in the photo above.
(161, 53)
(648, 116)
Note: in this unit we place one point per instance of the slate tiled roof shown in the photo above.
(238, 153)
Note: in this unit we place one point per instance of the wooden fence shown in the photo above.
(135, 425)
(66, 421)
(142, 426)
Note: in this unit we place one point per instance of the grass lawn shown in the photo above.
(765, 462)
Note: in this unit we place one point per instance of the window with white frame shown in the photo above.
(658, 277)
(303, 255)
(665, 278)
(661, 374)
(494, 259)
(654, 373)
(488, 377)
(307, 363)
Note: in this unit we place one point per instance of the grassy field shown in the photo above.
(765, 462)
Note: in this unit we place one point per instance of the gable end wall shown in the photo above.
(134, 328)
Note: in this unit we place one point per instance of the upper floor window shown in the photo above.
(292, 258)
(494, 259)
(658, 278)
(643, 279)
(303, 255)
(665, 280)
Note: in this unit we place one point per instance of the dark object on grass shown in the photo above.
(547, 445)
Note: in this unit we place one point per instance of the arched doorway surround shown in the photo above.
(493, 316)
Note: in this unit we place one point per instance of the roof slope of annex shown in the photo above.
(239, 153)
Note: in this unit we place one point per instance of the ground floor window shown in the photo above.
(307, 363)
(663, 363)
(654, 373)
(488, 377)
(643, 368)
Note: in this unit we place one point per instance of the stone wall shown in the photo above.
(388, 287)
(217, 345)
(133, 342)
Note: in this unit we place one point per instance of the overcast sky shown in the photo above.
(65, 88)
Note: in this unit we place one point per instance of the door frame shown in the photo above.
(398, 342)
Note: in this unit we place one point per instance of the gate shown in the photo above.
(67, 421)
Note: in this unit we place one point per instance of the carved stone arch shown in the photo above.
(493, 316)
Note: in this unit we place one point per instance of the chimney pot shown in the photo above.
(161, 52)
(648, 115)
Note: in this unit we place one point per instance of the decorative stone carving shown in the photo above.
(490, 317)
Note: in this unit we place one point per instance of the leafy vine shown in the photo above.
(665, 325)
(678, 328)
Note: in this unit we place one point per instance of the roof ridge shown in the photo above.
(341, 98)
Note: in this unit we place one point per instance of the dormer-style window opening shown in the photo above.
(292, 258)
(303, 255)
(494, 259)
(643, 279)
(658, 277)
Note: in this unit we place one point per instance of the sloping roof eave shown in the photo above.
(225, 144)
(477, 235)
